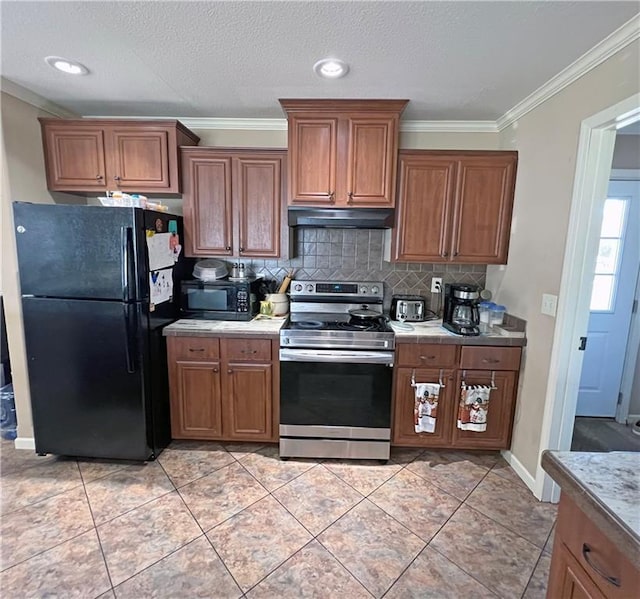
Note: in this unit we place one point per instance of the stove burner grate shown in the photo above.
(310, 324)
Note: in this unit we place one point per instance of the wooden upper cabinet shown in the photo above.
(232, 202)
(74, 158)
(207, 204)
(454, 206)
(257, 196)
(88, 155)
(313, 160)
(343, 153)
(371, 161)
(484, 204)
(425, 208)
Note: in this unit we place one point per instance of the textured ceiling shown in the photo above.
(453, 60)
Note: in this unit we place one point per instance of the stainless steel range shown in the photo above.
(336, 359)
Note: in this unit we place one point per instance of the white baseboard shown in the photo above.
(25, 443)
(521, 471)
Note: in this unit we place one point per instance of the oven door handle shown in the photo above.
(337, 356)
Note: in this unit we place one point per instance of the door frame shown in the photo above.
(593, 170)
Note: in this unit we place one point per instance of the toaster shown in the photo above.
(411, 308)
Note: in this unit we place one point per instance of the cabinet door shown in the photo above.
(139, 158)
(257, 198)
(207, 205)
(501, 409)
(425, 209)
(371, 162)
(313, 158)
(567, 579)
(484, 203)
(403, 408)
(195, 400)
(248, 402)
(75, 158)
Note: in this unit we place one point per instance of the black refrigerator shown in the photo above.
(93, 316)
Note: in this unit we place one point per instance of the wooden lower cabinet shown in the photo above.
(233, 397)
(449, 363)
(585, 563)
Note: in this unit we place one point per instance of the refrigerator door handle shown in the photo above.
(125, 238)
(129, 347)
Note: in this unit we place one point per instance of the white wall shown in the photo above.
(23, 179)
(547, 140)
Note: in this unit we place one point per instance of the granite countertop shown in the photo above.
(606, 487)
(432, 332)
(258, 327)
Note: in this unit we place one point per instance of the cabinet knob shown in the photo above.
(350, 200)
(331, 195)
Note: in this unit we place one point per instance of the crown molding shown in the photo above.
(449, 126)
(621, 37)
(26, 95)
(244, 124)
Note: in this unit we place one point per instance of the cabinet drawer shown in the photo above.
(490, 358)
(421, 355)
(243, 350)
(193, 348)
(576, 531)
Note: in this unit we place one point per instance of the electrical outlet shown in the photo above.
(436, 285)
(549, 304)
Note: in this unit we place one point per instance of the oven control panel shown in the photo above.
(374, 290)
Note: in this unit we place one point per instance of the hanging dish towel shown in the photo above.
(426, 407)
(474, 408)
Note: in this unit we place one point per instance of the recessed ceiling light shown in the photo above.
(331, 68)
(66, 66)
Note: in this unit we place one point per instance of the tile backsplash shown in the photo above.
(357, 255)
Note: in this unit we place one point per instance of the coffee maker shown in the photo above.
(461, 315)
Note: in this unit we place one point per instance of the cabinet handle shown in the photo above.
(350, 200)
(490, 361)
(331, 195)
(228, 248)
(585, 553)
(196, 349)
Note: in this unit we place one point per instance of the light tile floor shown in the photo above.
(207, 520)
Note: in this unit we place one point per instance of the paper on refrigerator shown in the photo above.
(161, 286)
(161, 254)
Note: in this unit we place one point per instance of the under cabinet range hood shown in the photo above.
(342, 218)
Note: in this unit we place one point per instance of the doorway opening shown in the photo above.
(593, 171)
(609, 389)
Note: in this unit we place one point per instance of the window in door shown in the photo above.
(605, 280)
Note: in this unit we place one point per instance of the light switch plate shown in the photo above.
(549, 304)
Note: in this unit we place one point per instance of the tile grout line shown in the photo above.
(95, 528)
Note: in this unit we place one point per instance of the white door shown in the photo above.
(614, 285)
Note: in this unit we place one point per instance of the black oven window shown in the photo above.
(207, 299)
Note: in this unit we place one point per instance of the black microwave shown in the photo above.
(220, 299)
